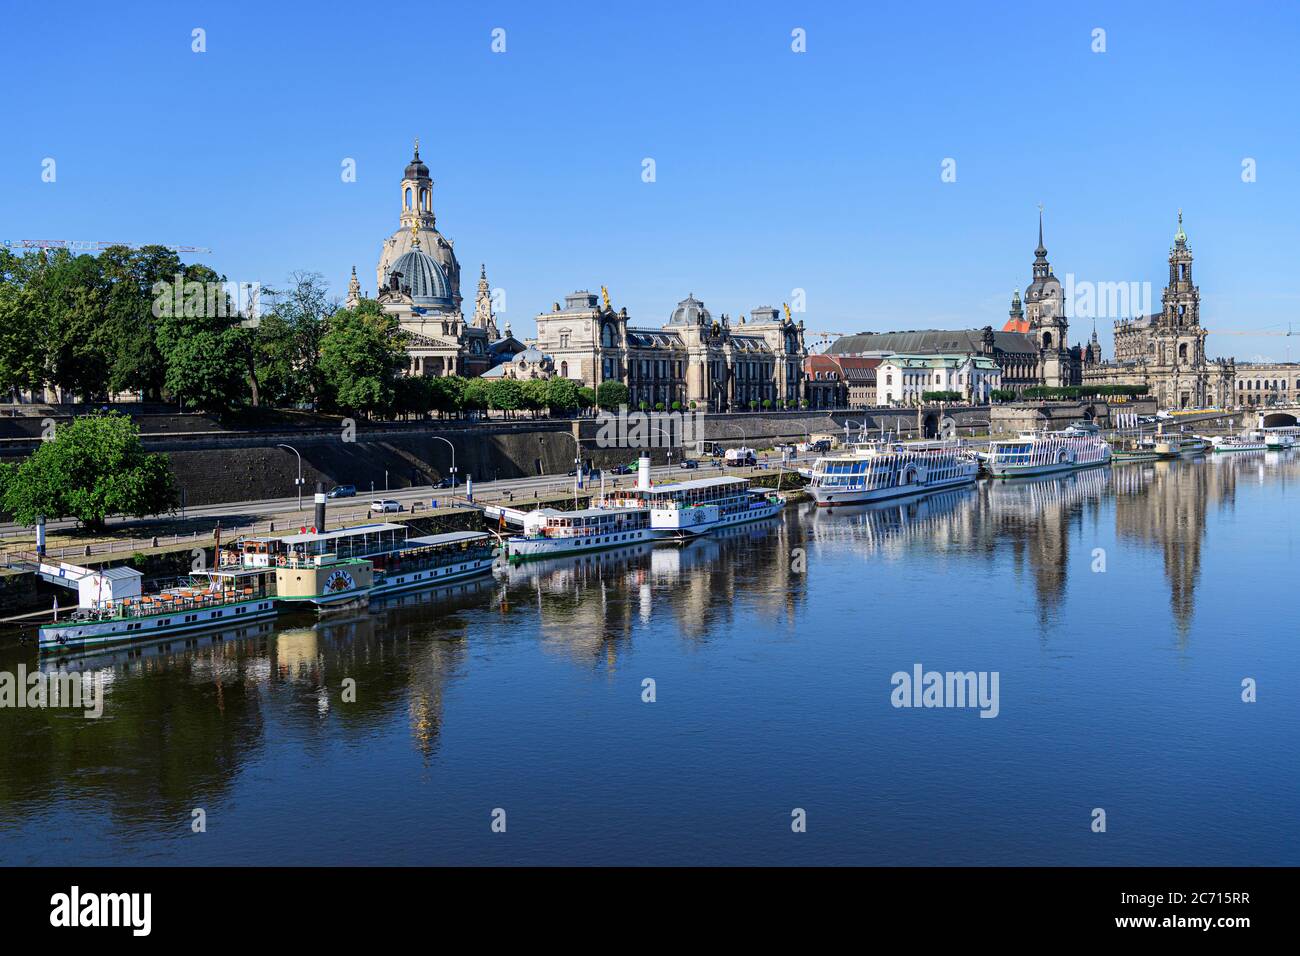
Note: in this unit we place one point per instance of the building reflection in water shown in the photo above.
(186, 714)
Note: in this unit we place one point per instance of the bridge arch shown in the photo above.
(1277, 419)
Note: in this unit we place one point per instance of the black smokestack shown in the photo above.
(320, 506)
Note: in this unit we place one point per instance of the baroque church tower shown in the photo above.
(417, 221)
(483, 317)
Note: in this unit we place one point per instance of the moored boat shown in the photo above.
(1223, 444)
(549, 533)
(685, 509)
(206, 599)
(878, 472)
(1045, 454)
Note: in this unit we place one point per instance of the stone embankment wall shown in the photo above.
(217, 462)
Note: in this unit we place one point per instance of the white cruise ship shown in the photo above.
(549, 533)
(1045, 454)
(685, 509)
(877, 472)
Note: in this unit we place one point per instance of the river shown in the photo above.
(1124, 613)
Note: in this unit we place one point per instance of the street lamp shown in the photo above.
(299, 481)
(453, 459)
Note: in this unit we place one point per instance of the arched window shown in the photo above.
(564, 370)
(607, 335)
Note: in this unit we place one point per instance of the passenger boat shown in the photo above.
(1277, 441)
(1045, 454)
(549, 533)
(1142, 448)
(876, 472)
(206, 599)
(256, 577)
(685, 509)
(1189, 446)
(1231, 443)
(433, 559)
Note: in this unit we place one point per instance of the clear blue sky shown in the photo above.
(775, 170)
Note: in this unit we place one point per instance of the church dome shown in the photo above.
(690, 311)
(416, 169)
(420, 273)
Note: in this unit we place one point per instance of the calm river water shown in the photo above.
(772, 651)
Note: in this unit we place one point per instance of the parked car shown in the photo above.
(690, 463)
(384, 506)
(342, 491)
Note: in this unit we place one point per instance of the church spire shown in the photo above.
(1180, 237)
(1041, 251)
(354, 291)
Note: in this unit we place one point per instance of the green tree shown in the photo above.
(505, 394)
(586, 397)
(291, 335)
(562, 394)
(207, 369)
(93, 468)
(533, 394)
(476, 396)
(361, 355)
(611, 394)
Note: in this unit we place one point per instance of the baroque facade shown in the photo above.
(1166, 351)
(418, 279)
(693, 359)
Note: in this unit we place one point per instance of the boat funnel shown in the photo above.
(320, 506)
(643, 473)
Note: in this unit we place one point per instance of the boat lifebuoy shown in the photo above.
(280, 561)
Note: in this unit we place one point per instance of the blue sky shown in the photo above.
(774, 170)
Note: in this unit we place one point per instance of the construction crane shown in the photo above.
(87, 245)
(826, 338)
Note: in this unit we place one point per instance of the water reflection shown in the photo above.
(185, 717)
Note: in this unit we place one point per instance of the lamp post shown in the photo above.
(299, 481)
(453, 460)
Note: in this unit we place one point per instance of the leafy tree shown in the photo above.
(290, 337)
(361, 356)
(93, 468)
(475, 397)
(207, 369)
(533, 393)
(448, 393)
(586, 397)
(562, 394)
(414, 395)
(505, 394)
(611, 394)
